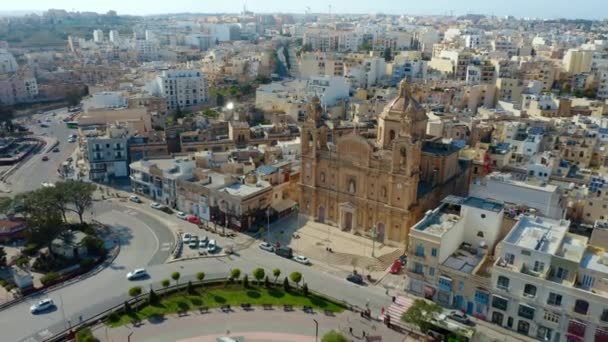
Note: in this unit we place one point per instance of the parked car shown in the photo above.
(136, 274)
(42, 305)
(301, 259)
(211, 246)
(56, 149)
(193, 244)
(45, 158)
(71, 140)
(134, 199)
(193, 219)
(203, 242)
(285, 252)
(395, 267)
(267, 247)
(355, 278)
(460, 317)
(181, 215)
(157, 206)
(166, 209)
(186, 238)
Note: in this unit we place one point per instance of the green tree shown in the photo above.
(258, 274)
(2, 257)
(43, 219)
(235, 274)
(175, 276)
(366, 46)
(165, 283)
(152, 297)
(94, 245)
(420, 313)
(296, 277)
(73, 97)
(276, 273)
(200, 276)
(79, 196)
(220, 100)
(334, 336)
(178, 113)
(388, 54)
(135, 291)
(286, 286)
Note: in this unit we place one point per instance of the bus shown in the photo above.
(72, 124)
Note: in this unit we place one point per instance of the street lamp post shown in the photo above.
(316, 330)
(268, 224)
(373, 241)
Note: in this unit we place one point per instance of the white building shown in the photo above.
(200, 41)
(8, 64)
(182, 88)
(367, 74)
(158, 179)
(329, 89)
(106, 99)
(550, 284)
(545, 198)
(98, 36)
(114, 36)
(107, 153)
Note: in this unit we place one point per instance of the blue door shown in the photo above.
(458, 301)
(470, 308)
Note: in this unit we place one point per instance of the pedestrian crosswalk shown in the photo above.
(166, 247)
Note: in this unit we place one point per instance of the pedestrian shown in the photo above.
(350, 329)
(363, 333)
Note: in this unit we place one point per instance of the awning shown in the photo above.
(283, 205)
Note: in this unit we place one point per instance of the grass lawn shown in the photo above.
(234, 295)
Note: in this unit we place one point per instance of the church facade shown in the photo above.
(377, 187)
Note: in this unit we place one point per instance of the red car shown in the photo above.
(193, 219)
(395, 267)
(45, 158)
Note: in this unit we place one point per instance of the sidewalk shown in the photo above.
(256, 326)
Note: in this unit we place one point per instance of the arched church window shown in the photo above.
(322, 177)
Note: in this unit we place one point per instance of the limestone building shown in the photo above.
(377, 187)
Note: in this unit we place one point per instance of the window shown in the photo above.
(420, 250)
(509, 258)
(530, 291)
(461, 285)
(434, 252)
(432, 271)
(551, 317)
(526, 311)
(418, 268)
(523, 327)
(554, 299)
(502, 283)
(562, 273)
(581, 306)
(480, 234)
(539, 266)
(604, 316)
(524, 252)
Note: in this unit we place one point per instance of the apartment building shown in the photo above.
(450, 252)
(329, 89)
(182, 88)
(550, 284)
(158, 179)
(517, 190)
(107, 153)
(577, 61)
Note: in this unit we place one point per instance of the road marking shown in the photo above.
(45, 333)
(166, 247)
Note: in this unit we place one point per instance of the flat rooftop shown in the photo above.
(439, 221)
(484, 204)
(595, 260)
(243, 190)
(573, 247)
(463, 261)
(538, 233)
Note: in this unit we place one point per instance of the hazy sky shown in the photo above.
(588, 9)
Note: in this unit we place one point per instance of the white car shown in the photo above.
(267, 247)
(134, 199)
(157, 206)
(42, 305)
(71, 140)
(137, 273)
(181, 215)
(211, 246)
(301, 259)
(186, 238)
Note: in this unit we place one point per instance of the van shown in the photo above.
(285, 252)
(211, 246)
